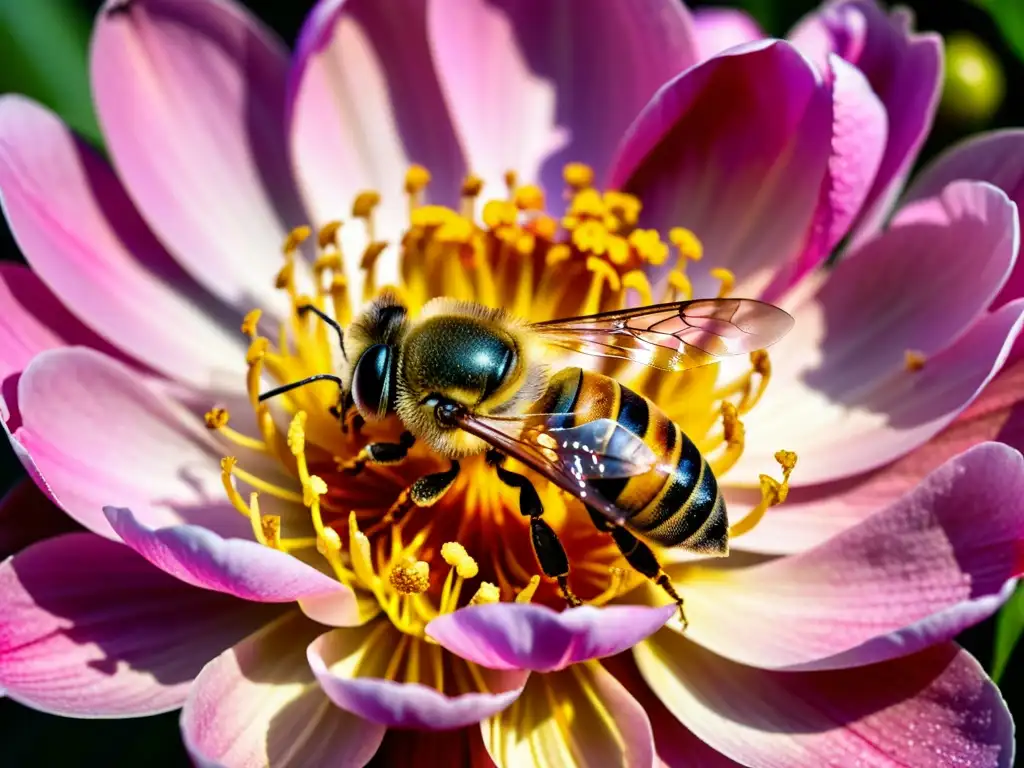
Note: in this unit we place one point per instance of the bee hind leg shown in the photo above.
(546, 545)
(425, 492)
(378, 453)
(641, 558)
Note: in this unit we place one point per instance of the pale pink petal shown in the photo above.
(814, 514)
(607, 726)
(191, 99)
(735, 149)
(98, 435)
(934, 708)
(364, 104)
(904, 69)
(90, 629)
(258, 704)
(913, 574)
(717, 29)
(842, 395)
(997, 158)
(82, 236)
(27, 516)
(245, 569)
(536, 84)
(535, 637)
(337, 658)
(859, 128)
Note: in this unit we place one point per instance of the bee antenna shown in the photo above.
(301, 383)
(329, 320)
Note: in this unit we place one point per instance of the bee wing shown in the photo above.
(675, 336)
(569, 457)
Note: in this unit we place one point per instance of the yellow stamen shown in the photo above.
(485, 594)
(227, 466)
(369, 265)
(328, 235)
(603, 273)
(526, 593)
(472, 185)
(625, 207)
(733, 435)
(511, 182)
(637, 281)
(728, 281)
(772, 492)
(679, 286)
(250, 321)
(416, 179)
(648, 245)
(529, 198)
(614, 589)
(762, 367)
(456, 556)
(410, 578)
(217, 419)
(914, 361)
(578, 176)
(499, 213)
(364, 204)
(687, 243)
(295, 238)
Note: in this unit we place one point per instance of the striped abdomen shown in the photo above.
(683, 508)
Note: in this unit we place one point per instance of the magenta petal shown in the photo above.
(365, 104)
(258, 704)
(743, 137)
(718, 29)
(404, 705)
(535, 637)
(90, 629)
(535, 84)
(82, 236)
(997, 158)
(191, 100)
(904, 69)
(236, 567)
(914, 574)
(934, 708)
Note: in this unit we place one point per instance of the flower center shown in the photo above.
(353, 515)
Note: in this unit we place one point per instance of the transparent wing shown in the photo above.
(672, 337)
(570, 457)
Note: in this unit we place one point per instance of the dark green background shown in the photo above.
(30, 738)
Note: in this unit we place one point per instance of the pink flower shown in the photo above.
(300, 630)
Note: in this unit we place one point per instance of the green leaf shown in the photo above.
(1009, 18)
(44, 54)
(1009, 626)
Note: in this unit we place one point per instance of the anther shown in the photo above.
(297, 434)
(526, 593)
(728, 281)
(625, 207)
(637, 281)
(216, 418)
(578, 175)
(648, 245)
(472, 185)
(328, 542)
(257, 350)
(456, 556)
(284, 278)
(529, 198)
(416, 179)
(328, 234)
(410, 579)
(363, 205)
(680, 285)
(271, 528)
(499, 213)
(250, 321)
(687, 243)
(913, 360)
(511, 181)
(295, 238)
(544, 227)
(772, 493)
(486, 594)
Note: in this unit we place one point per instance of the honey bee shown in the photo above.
(466, 379)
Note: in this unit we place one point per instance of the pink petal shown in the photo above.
(581, 716)
(191, 100)
(842, 395)
(915, 573)
(364, 105)
(997, 158)
(27, 516)
(718, 29)
(859, 128)
(258, 704)
(904, 69)
(90, 629)
(814, 514)
(399, 704)
(535, 637)
(536, 84)
(82, 236)
(98, 435)
(736, 150)
(676, 745)
(936, 707)
(236, 567)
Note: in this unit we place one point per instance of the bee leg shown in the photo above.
(341, 411)
(378, 453)
(425, 492)
(546, 546)
(640, 557)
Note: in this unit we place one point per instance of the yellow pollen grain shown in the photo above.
(216, 418)
(416, 179)
(578, 175)
(526, 593)
(250, 321)
(456, 556)
(687, 243)
(328, 234)
(529, 198)
(913, 360)
(472, 185)
(727, 278)
(486, 594)
(410, 579)
(365, 202)
(295, 238)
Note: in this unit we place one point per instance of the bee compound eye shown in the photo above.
(372, 381)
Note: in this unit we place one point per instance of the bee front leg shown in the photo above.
(640, 557)
(378, 453)
(546, 545)
(425, 492)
